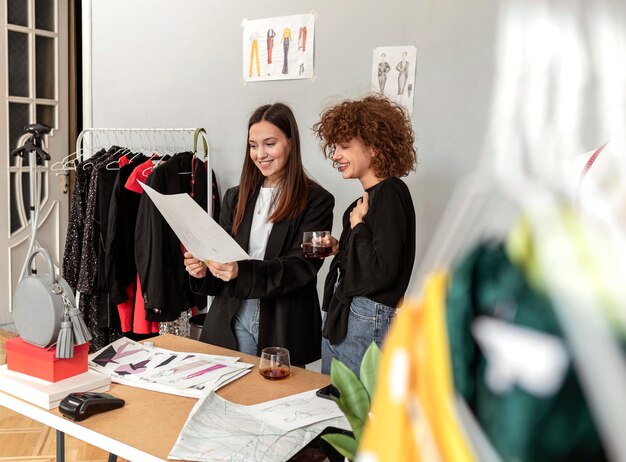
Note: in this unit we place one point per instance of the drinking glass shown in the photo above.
(275, 363)
(317, 244)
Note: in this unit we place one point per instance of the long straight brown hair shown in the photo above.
(292, 189)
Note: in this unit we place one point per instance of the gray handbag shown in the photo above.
(44, 310)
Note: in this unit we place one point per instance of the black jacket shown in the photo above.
(284, 281)
(158, 253)
(375, 257)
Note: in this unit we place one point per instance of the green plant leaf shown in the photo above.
(356, 424)
(369, 369)
(346, 445)
(353, 397)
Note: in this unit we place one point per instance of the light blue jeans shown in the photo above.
(246, 326)
(368, 322)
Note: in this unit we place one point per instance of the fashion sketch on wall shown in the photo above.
(393, 74)
(278, 48)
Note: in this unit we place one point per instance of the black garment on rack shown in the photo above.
(89, 257)
(81, 257)
(158, 252)
(120, 267)
(107, 313)
(76, 224)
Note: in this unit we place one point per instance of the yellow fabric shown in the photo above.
(413, 410)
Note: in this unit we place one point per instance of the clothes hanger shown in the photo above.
(60, 165)
(205, 143)
(89, 163)
(200, 132)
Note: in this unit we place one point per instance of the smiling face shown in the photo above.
(269, 150)
(354, 160)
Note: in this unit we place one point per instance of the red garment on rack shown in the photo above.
(141, 173)
(132, 312)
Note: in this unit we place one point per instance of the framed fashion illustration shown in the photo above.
(279, 48)
(393, 74)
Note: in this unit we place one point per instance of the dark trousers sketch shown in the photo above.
(403, 69)
(254, 57)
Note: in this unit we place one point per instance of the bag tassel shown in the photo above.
(65, 341)
(81, 332)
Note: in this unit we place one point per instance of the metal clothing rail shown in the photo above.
(149, 140)
(138, 138)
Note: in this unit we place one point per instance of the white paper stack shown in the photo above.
(157, 369)
(46, 394)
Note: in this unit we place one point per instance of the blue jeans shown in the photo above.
(368, 322)
(246, 326)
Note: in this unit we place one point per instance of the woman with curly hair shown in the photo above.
(370, 140)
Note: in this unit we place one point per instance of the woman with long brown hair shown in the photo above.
(271, 299)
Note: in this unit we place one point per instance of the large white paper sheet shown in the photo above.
(199, 233)
(218, 430)
(296, 411)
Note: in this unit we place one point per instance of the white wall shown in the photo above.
(160, 63)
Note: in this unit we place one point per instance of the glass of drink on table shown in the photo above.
(317, 244)
(275, 363)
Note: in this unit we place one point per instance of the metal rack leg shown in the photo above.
(60, 446)
(112, 458)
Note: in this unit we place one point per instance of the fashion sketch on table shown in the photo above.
(205, 437)
(403, 73)
(132, 368)
(285, 41)
(295, 411)
(112, 356)
(181, 368)
(383, 70)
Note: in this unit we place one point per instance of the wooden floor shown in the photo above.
(25, 440)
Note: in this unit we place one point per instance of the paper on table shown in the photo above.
(218, 430)
(295, 411)
(199, 233)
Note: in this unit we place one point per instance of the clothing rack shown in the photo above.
(148, 140)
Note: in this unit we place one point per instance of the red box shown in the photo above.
(43, 363)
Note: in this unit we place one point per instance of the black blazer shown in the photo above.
(284, 281)
(158, 254)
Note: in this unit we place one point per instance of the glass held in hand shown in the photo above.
(275, 363)
(317, 244)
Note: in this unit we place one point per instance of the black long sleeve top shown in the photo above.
(375, 257)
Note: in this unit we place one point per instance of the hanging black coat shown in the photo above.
(158, 255)
(284, 281)
(120, 267)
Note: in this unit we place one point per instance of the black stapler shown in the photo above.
(79, 406)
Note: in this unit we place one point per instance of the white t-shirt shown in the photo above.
(261, 227)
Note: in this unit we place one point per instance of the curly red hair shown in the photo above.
(380, 124)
